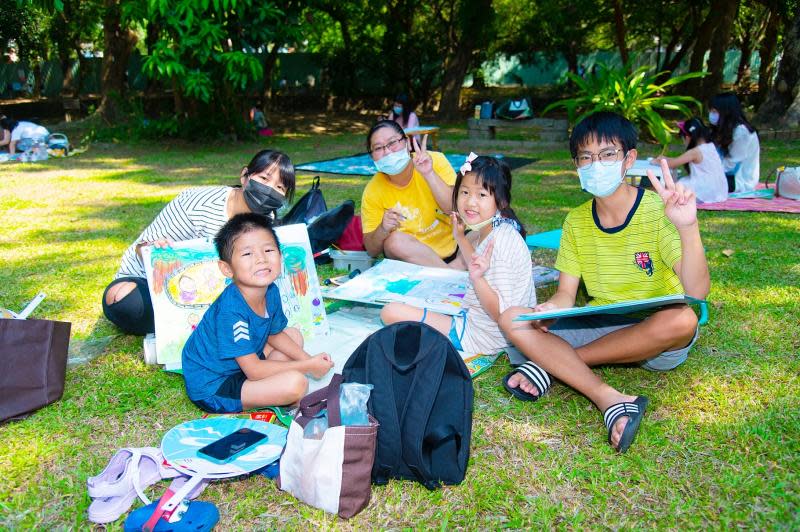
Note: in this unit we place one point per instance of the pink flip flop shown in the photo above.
(126, 475)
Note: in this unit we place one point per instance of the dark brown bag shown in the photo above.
(33, 364)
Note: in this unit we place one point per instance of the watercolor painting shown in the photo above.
(438, 289)
(184, 279)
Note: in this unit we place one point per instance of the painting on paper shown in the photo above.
(438, 289)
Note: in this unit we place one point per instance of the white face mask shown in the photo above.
(713, 118)
(393, 163)
(600, 180)
(480, 225)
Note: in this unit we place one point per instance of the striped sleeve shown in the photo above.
(669, 242)
(567, 260)
(194, 213)
(510, 273)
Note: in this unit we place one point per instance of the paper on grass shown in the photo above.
(623, 307)
(350, 326)
(184, 279)
(439, 289)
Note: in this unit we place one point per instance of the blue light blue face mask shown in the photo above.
(600, 180)
(393, 163)
(398, 110)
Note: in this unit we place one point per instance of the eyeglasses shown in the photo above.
(606, 157)
(389, 146)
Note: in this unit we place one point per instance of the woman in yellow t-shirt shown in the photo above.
(405, 207)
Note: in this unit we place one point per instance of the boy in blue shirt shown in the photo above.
(625, 243)
(242, 355)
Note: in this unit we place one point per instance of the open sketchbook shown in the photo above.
(623, 307)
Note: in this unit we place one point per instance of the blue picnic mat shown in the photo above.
(361, 164)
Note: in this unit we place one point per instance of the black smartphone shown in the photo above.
(225, 448)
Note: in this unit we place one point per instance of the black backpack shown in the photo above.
(312, 204)
(328, 227)
(422, 400)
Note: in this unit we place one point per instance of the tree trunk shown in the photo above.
(783, 104)
(455, 70)
(766, 52)
(619, 32)
(118, 44)
(743, 71)
(37, 79)
(725, 14)
(469, 22)
(269, 65)
(701, 45)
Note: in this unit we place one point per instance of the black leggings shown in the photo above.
(731, 182)
(134, 312)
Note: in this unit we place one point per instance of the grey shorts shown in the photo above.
(578, 332)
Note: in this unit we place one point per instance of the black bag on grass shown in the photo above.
(312, 204)
(422, 400)
(328, 227)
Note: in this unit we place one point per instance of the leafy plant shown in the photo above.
(637, 96)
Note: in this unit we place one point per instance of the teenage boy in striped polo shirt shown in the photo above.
(625, 243)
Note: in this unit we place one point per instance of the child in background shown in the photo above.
(259, 120)
(625, 243)
(706, 177)
(498, 259)
(242, 355)
(737, 141)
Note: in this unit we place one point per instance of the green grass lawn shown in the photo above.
(719, 447)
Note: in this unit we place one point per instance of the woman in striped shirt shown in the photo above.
(267, 182)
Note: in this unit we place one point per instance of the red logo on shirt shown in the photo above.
(642, 259)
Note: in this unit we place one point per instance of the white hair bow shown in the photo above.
(467, 166)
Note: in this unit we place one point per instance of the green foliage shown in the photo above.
(637, 96)
(206, 50)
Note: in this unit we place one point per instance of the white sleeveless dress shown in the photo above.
(707, 178)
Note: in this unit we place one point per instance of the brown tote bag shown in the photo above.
(33, 364)
(333, 473)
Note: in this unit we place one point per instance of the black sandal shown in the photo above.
(634, 412)
(535, 375)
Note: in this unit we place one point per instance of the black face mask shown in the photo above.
(261, 198)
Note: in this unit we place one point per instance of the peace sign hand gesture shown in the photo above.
(680, 205)
(480, 263)
(422, 160)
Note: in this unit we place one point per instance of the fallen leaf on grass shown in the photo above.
(727, 252)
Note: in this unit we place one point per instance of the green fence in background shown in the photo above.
(304, 70)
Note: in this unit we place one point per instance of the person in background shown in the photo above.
(403, 113)
(706, 177)
(21, 136)
(259, 120)
(737, 141)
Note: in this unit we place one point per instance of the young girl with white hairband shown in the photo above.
(499, 262)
